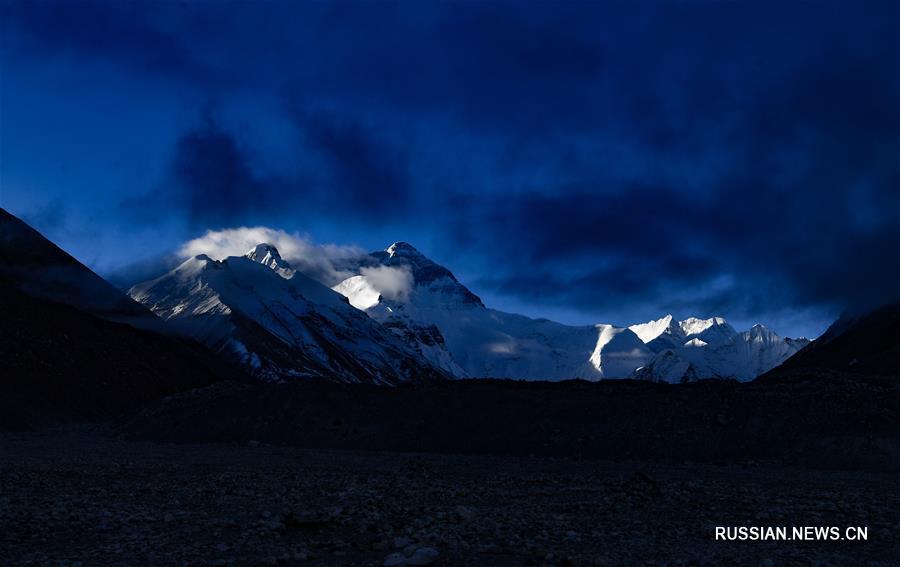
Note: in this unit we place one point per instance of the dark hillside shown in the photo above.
(62, 363)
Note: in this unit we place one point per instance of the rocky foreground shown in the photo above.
(80, 495)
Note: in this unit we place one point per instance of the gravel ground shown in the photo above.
(81, 496)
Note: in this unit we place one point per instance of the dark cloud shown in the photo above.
(342, 169)
(805, 210)
(364, 173)
(216, 175)
(139, 35)
(211, 181)
(710, 156)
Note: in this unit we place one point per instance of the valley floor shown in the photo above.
(82, 495)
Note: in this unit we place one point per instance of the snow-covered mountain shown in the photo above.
(280, 323)
(710, 348)
(485, 342)
(404, 317)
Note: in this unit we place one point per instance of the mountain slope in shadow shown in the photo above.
(864, 345)
(34, 265)
(74, 347)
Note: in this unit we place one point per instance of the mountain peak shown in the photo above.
(262, 250)
(760, 332)
(653, 329)
(267, 255)
(188, 268)
(425, 271)
(401, 248)
(694, 326)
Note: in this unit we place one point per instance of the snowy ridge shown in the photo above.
(267, 255)
(248, 308)
(490, 343)
(403, 317)
(695, 326)
(653, 329)
(359, 292)
(484, 342)
(618, 351)
(713, 349)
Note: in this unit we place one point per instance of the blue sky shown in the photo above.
(584, 162)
